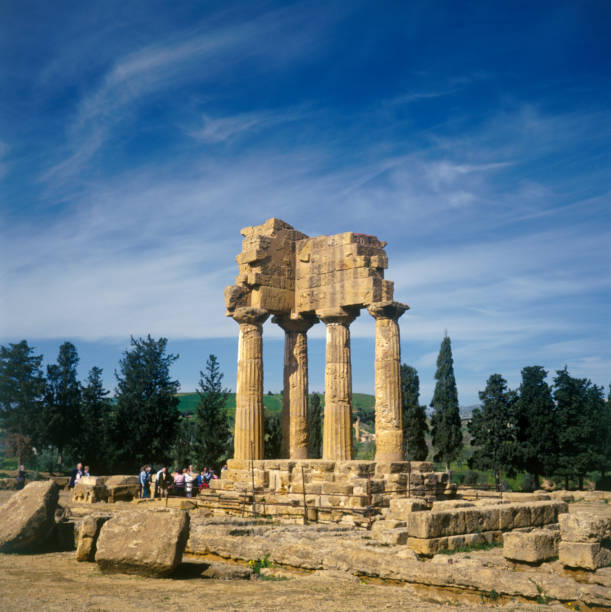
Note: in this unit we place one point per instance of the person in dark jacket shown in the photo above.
(75, 474)
(21, 475)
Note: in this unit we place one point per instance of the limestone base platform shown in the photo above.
(321, 490)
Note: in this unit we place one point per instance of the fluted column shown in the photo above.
(248, 432)
(337, 430)
(295, 394)
(388, 405)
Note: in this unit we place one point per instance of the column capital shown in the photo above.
(387, 310)
(337, 316)
(299, 323)
(250, 315)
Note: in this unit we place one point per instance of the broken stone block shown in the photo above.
(147, 543)
(27, 520)
(227, 571)
(584, 555)
(88, 535)
(586, 525)
(392, 537)
(532, 546)
(122, 488)
(401, 506)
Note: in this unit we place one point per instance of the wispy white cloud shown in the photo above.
(222, 129)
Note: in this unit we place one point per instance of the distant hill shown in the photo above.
(363, 404)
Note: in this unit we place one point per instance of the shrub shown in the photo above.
(472, 477)
(529, 483)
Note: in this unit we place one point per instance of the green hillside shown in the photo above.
(363, 405)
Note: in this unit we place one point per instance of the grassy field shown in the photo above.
(363, 405)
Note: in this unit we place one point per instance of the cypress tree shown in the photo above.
(315, 427)
(212, 432)
(536, 424)
(61, 416)
(21, 389)
(579, 423)
(96, 418)
(147, 415)
(415, 426)
(493, 428)
(445, 420)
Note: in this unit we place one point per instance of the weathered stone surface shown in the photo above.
(147, 543)
(583, 555)
(227, 571)
(314, 548)
(337, 428)
(585, 525)
(388, 405)
(248, 432)
(531, 547)
(502, 517)
(88, 535)
(295, 390)
(122, 488)
(401, 506)
(391, 536)
(431, 546)
(90, 489)
(27, 519)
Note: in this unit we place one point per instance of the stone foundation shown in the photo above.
(332, 491)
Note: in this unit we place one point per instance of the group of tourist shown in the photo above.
(77, 473)
(183, 483)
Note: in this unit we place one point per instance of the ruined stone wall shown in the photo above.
(283, 271)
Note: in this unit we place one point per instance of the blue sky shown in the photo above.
(137, 138)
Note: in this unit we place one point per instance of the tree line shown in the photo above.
(562, 430)
(54, 412)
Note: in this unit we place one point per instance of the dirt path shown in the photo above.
(56, 582)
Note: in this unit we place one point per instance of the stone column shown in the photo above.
(295, 395)
(388, 406)
(337, 428)
(248, 432)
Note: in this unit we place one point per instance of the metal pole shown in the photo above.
(369, 499)
(252, 474)
(305, 507)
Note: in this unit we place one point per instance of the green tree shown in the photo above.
(445, 420)
(61, 422)
(184, 448)
(21, 391)
(493, 428)
(415, 426)
(147, 416)
(579, 425)
(537, 445)
(96, 412)
(273, 436)
(315, 427)
(212, 435)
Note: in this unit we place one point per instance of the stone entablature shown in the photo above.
(301, 280)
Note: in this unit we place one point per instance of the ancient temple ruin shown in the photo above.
(299, 281)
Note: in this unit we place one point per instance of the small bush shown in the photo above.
(472, 477)
(528, 484)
